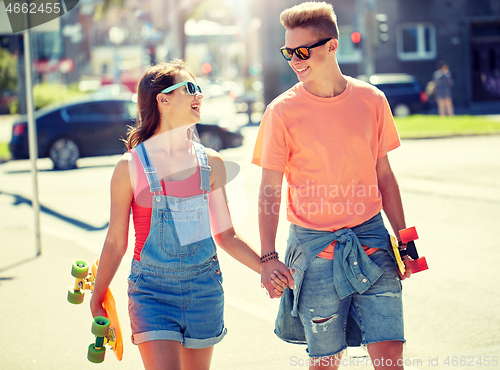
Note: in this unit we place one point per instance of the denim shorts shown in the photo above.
(185, 307)
(378, 312)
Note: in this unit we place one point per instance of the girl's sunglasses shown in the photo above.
(191, 88)
(302, 52)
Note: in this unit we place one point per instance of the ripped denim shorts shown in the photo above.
(378, 312)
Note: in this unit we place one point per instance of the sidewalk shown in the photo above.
(6, 127)
(47, 332)
(455, 209)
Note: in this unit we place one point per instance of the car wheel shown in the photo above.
(402, 110)
(64, 153)
(212, 140)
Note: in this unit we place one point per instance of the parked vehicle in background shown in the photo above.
(112, 89)
(219, 134)
(94, 126)
(404, 92)
(87, 127)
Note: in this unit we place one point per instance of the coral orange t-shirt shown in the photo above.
(328, 149)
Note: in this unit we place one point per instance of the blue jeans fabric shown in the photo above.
(175, 290)
(352, 272)
(378, 312)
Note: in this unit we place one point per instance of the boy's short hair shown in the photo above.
(318, 16)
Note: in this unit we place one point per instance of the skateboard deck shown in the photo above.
(106, 329)
(399, 260)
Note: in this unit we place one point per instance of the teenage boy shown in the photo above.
(329, 135)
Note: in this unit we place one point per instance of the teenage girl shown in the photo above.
(175, 188)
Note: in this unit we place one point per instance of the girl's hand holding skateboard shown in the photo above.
(96, 307)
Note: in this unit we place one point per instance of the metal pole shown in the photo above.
(370, 44)
(32, 137)
(365, 9)
(173, 15)
(361, 28)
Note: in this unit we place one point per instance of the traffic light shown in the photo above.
(356, 39)
(206, 68)
(382, 27)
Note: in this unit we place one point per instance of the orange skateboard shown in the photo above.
(417, 263)
(106, 329)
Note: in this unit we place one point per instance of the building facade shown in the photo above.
(405, 36)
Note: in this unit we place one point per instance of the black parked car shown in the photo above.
(93, 126)
(404, 92)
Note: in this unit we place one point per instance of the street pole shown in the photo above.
(174, 43)
(32, 137)
(370, 27)
(365, 10)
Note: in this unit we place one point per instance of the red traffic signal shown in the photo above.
(206, 68)
(356, 37)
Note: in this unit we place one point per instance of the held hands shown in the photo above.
(279, 282)
(275, 277)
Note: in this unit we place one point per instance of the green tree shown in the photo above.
(8, 71)
(185, 9)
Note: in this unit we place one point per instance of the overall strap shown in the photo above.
(204, 167)
(150, 171)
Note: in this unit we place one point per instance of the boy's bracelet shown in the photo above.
(268, 257)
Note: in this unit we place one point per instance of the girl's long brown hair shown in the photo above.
(154, 80)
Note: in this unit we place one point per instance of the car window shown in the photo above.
(96, 111)
(395, 88)
(395, 85)
(131, 110)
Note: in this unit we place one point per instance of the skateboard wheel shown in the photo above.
(409, 234)
(100, 326)
(80, 269)
(75, 297)
(419, 265)
(96, 355)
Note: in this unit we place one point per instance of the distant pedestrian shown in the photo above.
(175, 189)
(443, 82)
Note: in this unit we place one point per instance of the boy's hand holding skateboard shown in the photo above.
(406, 253)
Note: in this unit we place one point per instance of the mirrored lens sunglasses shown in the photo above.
(191, 88)
(302, 52)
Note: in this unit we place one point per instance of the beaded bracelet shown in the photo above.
(268, 256)
(262, 260)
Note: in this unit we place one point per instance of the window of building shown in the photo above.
(416, 41)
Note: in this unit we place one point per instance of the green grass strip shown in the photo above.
(4, 151)
(427, 126)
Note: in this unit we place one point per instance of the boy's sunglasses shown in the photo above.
(192, 89)
(302, 52)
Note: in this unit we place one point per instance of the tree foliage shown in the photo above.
(8, 71)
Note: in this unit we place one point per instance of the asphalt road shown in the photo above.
(451, 194)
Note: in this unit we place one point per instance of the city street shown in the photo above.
(450, 189)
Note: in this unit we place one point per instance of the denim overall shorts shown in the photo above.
(175, 290)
